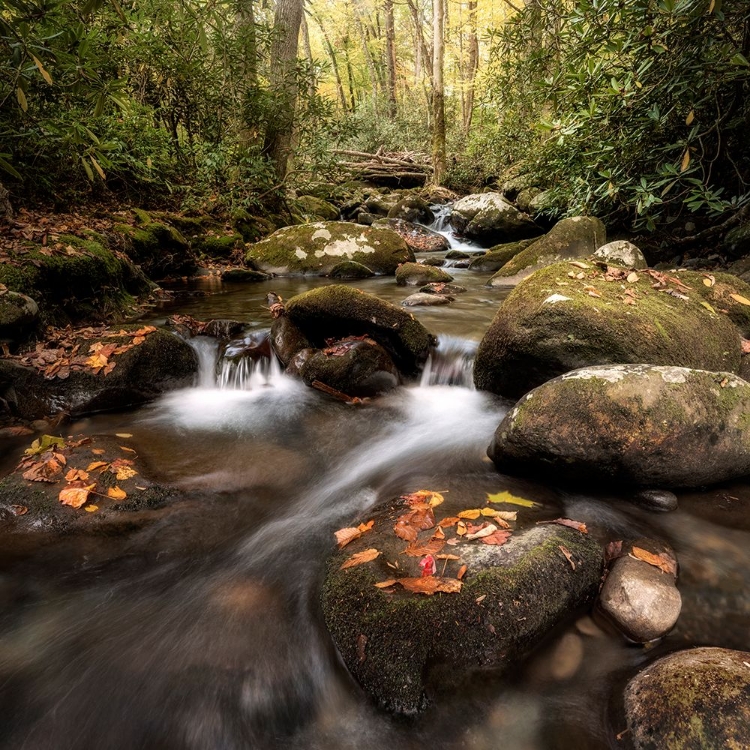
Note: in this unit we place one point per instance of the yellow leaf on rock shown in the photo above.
(344, 536)
(116, 493)
(359, 558)
(430, 585)
(632, 277)
(739, 298)
(123, 435)
(96, 361)
(74, 474)
(470, 514)
(124, 472)
(507, 497)
(94, 465)
(707, 306)
(665, 562)
(91, 508)
(429, 497)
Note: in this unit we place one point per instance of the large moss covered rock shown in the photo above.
(350, 270)
(419, 239)
(314, 249)
(638, 425)
(489, 219)
(419, 274)
(496, 257)
(737, 241)
(158, 248)
(553, 322)
(691, 699)
(399, 644)
(82, 279)
(163, 361)
(338, 311)
(317, 209)
(569, 239)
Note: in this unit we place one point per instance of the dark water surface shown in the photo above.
(203, 630)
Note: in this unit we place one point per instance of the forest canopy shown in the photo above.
(634, 111)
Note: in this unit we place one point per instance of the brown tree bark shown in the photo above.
(390, 54)
(472, 64)
(283, 83)
(438, 92)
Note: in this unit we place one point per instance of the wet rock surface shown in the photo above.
(413, 209)
(638, 425)
(489, 219)
(419, 274)
(691, 699)
(419, 239)
(422, 299)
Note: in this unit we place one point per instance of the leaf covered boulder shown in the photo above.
(698, 698)
(574, 314)
(337, 311)
(637, 425)
(419, 599)
(315, 249)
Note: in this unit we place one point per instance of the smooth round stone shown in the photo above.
(658, 500)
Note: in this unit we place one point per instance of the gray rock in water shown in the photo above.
(412, 208)
(435, 262)
(223, 329)
(243, 275)
(419, 239)
(457, 255)
(488, 218)
(621, 253)
(366, 219)
(691, 699)
(426, 300)
(287, 339)
(659, 500)
(442, 287)
(418, 274)
(641, 600)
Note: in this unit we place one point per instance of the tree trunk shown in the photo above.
(426, 54)
(390, 53)
(6, 210)
(308, 54)
(438, 92)
(371, 69)
(334, 63)
(286, 26)
(472, 63)
(245, 24)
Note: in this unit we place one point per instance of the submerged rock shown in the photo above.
(691, 699)
(488, 218)
(419, 239)
(552, 323)
(435, 262)
(426, 300)
(418, 274)
(287, 339)
(569, 239)
(637, 425)
(315, 249)
(399, 644)
(640, 599)
(621, 253)
(162, 362)
(338, 311)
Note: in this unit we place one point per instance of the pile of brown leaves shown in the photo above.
(59, 354)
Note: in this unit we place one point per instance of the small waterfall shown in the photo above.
(242, 365)
(442, 214)
(451, 363)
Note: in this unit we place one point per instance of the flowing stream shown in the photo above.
(203, 630)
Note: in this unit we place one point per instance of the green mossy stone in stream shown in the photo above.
(162, 362)
(399, 646)
(691, 699)
(496, 257)
(87, 281)
(570, 239)
(419, 274)
(252, 228)
(218, 245)
(316, 209)
(550, 324)
(314, 249)
(338, 311)
(633, 425)
(349, 270)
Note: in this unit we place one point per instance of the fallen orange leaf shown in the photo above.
(385, 584)
(470, 514)
(577, 525)
(664, 562)
(432, 547)
(74, 474)
(344, 536)
(431, 585)
(94, 465)
(75, 496)
(359, 558)
(116, 493)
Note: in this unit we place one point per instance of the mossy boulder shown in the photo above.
(159, 249)
(737, 241)
(252, 228)
(348, 270)
(489, 219)
(525, 198)
(83, 279)
(419, 274)
(353, 366)
(621, 253)
(413, 209)
(217, 245)
(457, 255)
(691, 699)
(552, 323)
(381, 203)
(314, 249)
(338, 311)
(419, 239)
(401, 645)
(496, 257)
(162, 362)
(19, 316)
(569, 239)
(317, 209)
(636, 425)
(725, 292)
(243, 275)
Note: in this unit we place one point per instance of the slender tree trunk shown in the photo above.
(371, 69)
(390, 54)
(426, 54)
(472, 64)
(438, 92)
(308, 53)
(286, 26)
(245, 20)
(350, 75)
(334, 62)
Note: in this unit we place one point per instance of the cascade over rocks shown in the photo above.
(552, 323)
(162, 362)
(698, 698)
(337, 312)
(489, 219)
(419, 274)
(569, 239)
(637, 425)
(399, 644)
(420, 239)
(315, 249)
